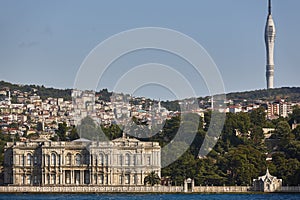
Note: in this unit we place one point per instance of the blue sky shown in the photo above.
(45, 42)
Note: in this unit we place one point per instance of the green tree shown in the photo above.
(257, 135)
(73, 134)
(296, 133)
(61, 131)
(152, 179)
(258, 117)
(243, 164)
(295, 116)
(243, 122)
(286, 168)
(112, 132)
(282, 130)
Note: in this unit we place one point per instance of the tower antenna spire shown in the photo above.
(270, 7)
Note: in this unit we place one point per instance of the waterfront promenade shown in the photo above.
(136, 189)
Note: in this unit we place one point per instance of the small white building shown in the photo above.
(267, 183)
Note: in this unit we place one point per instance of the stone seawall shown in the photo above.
(136, 189)
(290, 189)
(222, 189)
(90, 189)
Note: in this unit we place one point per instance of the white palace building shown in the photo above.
(123, 161)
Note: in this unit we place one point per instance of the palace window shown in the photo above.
(53, 179)
(106, 159)
(120, 179)
(95, 160)
(95, 179)
(48, 159)
(68, 159)
(101, 159)
(127, 159)
(68, 177)
(135, 179)
(148, 160)
(78, 159)
(28, 179)
(48, 178)
(86, 177)
(53, 159)
(101, 179)
(29, 157)
(77, 177)
(106, 179)
(127, 179)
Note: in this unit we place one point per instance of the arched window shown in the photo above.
(101, 159)
(78, 159)
(29, 179)
(127, 179)
(135, 179)
(48, 157)
(68, 176)
(101, 179)
(68, 159)
(29, 159)
(53, 159)
(95, 160)
(106, 159)
(127, 159)
(53, 178)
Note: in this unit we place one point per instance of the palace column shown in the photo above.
(63, 177)
(72, 177)
(81, 182)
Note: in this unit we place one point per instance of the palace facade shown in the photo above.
(123, 161)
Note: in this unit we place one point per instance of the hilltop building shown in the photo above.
(123, 161)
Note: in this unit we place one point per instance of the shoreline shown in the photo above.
(140, 190)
